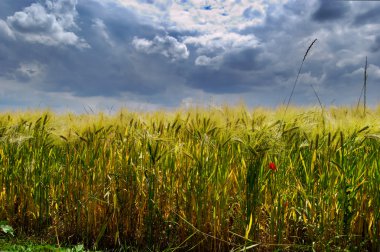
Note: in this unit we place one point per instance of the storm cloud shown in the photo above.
(331, 10)
(69, 54)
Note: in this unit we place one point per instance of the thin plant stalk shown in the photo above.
(298, 74)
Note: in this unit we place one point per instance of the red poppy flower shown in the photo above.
(272, 166)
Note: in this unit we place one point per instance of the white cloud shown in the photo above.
(187, 102)
(99, 26)
(215, 22)
(226, 15)
(204, 16)
(4, 29)
(65, 11)
(220, 42)
(373, 72)
(142, 44)
(49, 25)
(214, 62)
(168, 46)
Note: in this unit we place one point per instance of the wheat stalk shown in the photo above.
(299, 71)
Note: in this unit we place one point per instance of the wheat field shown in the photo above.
(216, 179)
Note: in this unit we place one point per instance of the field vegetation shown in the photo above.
(214, 179)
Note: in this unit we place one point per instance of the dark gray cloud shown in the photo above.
(376, 45)
(236, 71)
(102, 68)
(331, 10)
(218, 81)
(247, 59)
(369, 16)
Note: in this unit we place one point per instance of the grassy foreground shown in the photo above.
(209, 180)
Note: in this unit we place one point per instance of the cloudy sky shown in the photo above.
(146, 54)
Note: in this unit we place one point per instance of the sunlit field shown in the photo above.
(203, 179)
